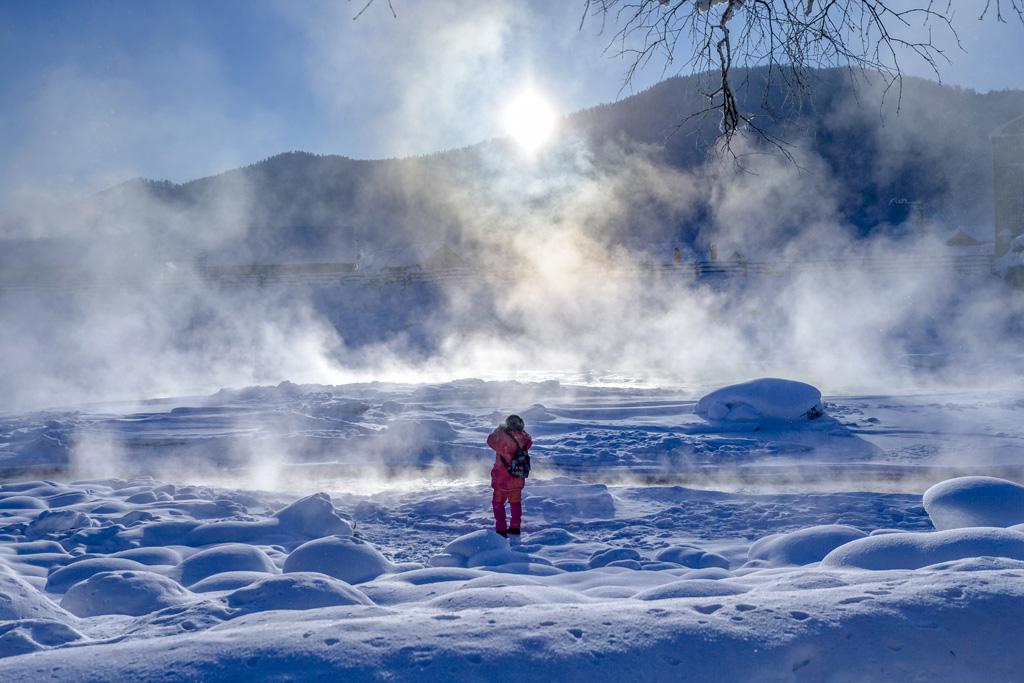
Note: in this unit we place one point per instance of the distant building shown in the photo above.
(1008, 183)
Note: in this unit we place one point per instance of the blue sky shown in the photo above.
(93, 93)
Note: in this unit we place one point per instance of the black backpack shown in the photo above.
(519, 466)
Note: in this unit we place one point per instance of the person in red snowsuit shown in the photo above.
(505, 439)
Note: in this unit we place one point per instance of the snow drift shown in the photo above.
(762, 399)
(975, 501)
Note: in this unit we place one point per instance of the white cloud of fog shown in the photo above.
(562, 295)
(437, 74)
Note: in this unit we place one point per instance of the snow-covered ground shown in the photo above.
(763, 533)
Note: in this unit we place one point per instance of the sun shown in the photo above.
(529, 120)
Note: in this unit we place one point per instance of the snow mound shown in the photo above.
(916, 550)
(64, 577)
(602, 558)
(475, 542)
(227, 581)
(691, 588)
(150, 556)
(230, 557)
(313, 516)
(484, 548)
(503, 556)
(19, 600)
(123, 592)
(493, 597)
(296, 591)
(21, 503)
(760, 399)
(343, 557)
(422, 577)
(691, 556)
(236, 531)
(803, 546)
(975, 501)
(32, 635)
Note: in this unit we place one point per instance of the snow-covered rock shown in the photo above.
(51, 521)
(762, 399)
(343, 557)
(975, 501)
(230, 557)
(297, 590)
(803, 546)
(123, 592)
(916, 550)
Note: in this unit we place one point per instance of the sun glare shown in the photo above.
(530, 121)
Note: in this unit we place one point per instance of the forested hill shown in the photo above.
(934, 150)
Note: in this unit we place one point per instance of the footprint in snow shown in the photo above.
(707, 609)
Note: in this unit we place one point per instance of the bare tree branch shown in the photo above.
(788, 37)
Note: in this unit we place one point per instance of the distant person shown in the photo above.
(511, 446)
(713, 253)
(677, 256)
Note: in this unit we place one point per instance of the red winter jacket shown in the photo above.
(504, 450)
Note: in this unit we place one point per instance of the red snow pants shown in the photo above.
(515, 503)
